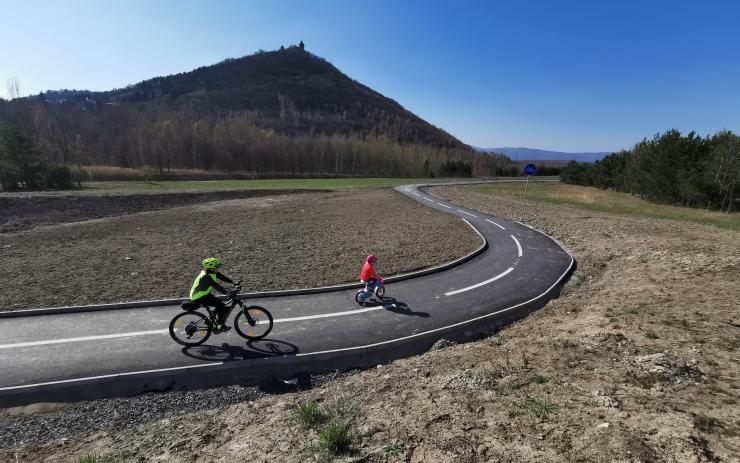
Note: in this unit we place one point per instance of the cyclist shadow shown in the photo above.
(393, 305)
(230, 353)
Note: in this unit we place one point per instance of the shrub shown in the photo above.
(59, 177)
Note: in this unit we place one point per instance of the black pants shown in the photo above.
(212, 301)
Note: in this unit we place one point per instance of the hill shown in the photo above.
(281, 113)
(292, 90)
(529, 154)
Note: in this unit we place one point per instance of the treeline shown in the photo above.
(670, 168)
(40, 140)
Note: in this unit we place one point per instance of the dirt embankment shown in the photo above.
(638, 360)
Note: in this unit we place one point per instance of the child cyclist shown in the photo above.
(369, 276)
(201, 291)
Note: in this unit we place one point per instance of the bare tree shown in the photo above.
(14, 88)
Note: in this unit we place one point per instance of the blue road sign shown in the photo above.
(530, 169)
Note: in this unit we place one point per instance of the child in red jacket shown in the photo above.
(369, 276)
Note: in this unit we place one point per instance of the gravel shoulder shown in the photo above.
(638, 360)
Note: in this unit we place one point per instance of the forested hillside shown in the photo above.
(670, 168)
(280, 112)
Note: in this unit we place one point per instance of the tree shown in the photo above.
(14, 88)
(20, 163)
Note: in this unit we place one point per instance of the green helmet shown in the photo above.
(211, 263)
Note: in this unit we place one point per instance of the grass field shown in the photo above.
(594, 199)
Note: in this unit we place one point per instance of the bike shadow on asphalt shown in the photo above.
(391, 304)
(232, 352)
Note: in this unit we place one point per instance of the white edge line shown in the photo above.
(345, 349)
(491, 221)
(115, 375)
(478, 285)
(518, 246)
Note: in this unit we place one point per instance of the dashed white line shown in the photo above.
(499, 226)
(335, 314)
(478, 285)
(429, 199)
(471, 215)
(445, 205)
(518, 246)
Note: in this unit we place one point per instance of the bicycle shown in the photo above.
(192, 328)
(365, 294)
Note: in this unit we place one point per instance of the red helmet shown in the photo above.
(371, 258)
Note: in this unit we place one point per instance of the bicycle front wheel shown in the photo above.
(190, 328)
(256, 328)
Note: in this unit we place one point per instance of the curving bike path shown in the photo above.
(90, 352)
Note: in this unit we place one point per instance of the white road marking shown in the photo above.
(518, 246)
(445, 205)
(471, 215)
(499, 226)
(429, 199)
(414, 193)
(115, 375)
(335, 314)
(85, 338)
(478, 285)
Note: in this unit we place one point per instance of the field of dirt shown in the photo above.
(270, 242)
(637, 361)
(25, 211)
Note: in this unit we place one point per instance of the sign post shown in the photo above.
(529, 170)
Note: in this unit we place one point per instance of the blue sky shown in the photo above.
(561, 75)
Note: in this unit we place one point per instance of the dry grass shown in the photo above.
(612, 202)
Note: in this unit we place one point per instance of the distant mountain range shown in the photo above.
(529, 154)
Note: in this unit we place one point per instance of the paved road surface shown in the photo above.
(72, 356)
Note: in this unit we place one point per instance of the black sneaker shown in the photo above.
(221, 329)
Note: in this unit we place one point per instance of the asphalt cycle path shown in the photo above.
(83, 355)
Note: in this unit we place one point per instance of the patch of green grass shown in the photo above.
(395, 447)
(594, 199)
(309, 414)
(538, 379)
(539, 408)
(336, 438)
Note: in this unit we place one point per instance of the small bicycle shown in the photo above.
(364, 295)
(193, 328)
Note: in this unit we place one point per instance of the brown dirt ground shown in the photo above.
(25, 211)
(636, 361)
(274, 242)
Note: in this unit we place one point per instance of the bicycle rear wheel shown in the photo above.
(262, 323)
(190, 328)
